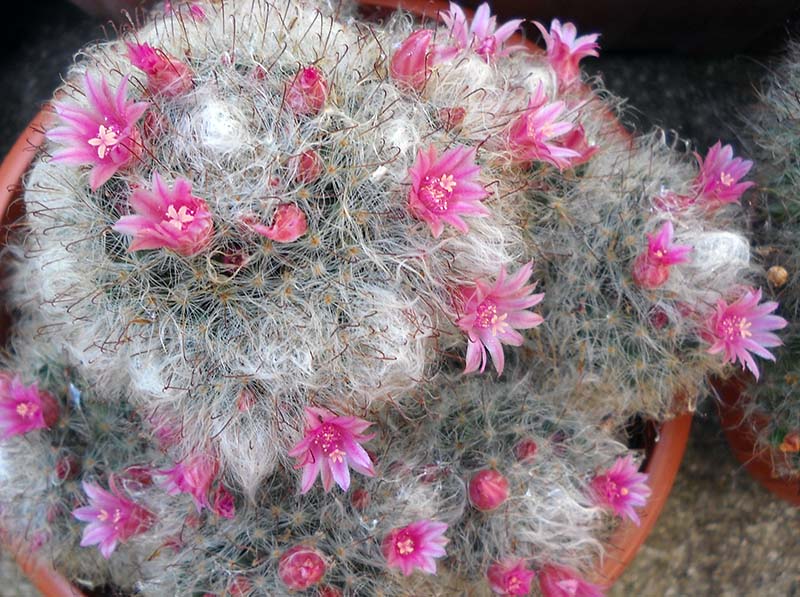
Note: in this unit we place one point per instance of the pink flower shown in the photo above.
(415, 546)
(301, 567)
(104, 135)
(483, 34)
(223, 504)
(166, 74)
(510, 577)
(193, 476)
(331, 445)
(530, 136)
(170, 218)
(565, 49)
(307, 92)
(488, 489)
(288, 224)
(576, 140)
(112, 518)
(556, 581)
(622, 488)
(413, 61)
(718, 180)
(651, 268)
(744, 327)
(24, 408)
(445, 188)
(493, 313)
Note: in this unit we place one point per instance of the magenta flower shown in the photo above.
(103, 136)
(493, 313)
(170, 218)
(483, 34)
(556, 581)
(718, 180)
(488, 489)
(445, 188)
(194, 476)
(166, 74)
(308, 91)
(743, 327)
(565, 49)
(288, 224)
(622, 488)
(651, 268)
(415, 546)
(576, 140)
(112, 518)
(301, 567)
(24, 408)
(413, 62)
(531, 135)
(331, 445)
(510, 577)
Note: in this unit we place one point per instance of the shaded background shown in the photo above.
(690, 67)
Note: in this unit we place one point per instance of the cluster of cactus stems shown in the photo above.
(774, 132)
(308, 303)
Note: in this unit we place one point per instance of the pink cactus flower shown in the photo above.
(718, 180)
(622, 488)
(445, 188)
(194, 476)
(166, 75)
(565, 49)
(112, 518)
(488, 490)
(309, 167)
(308, 91)
(744, 327)
(24, 408)
(301, 567)
(415, 546)
(223, 504)
(510, 577)
(331, 445)
(288, 224)
(576, 140)
(493, 313)
(557, 581)
(483, 34)
(651, 267)
(103, 136)
(531, 135)
(413, 62)
(169, 218)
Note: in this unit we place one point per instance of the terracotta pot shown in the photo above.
(742, 432)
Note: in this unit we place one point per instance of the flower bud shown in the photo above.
(777, 276)
(301, 567)
(410, 65)
(488, 489)
(307, 92)
(309, 167)
(525, 450)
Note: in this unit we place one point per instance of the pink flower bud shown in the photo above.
(488, 489)
(307, 92)
(309, 167)
(240, 586)
(68, 467)
(525, 450)
(329, 591)
(245, 400)
(140, 473)
(288, 224)
(166, 75)
(360, 499)
(451, 117)
(411, 64)
(223, 504)
(301, 567)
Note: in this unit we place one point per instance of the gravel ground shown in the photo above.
(720, 534)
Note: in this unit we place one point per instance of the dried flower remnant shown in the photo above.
(24, 408)
(790, 442)
(510, 577)
(622, 488)
(416, 546)
(288, 224)
(301, 567)
(651, 268)
(565, 49)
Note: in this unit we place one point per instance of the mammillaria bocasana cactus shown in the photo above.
(281, 253)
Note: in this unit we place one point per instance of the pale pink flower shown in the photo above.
(488, 489)
(330, 446)
(622, 488)
(166, 75)
(510, 577)
(483, 35)
(412, 63)
(743, 327)
(170, 218)
(565, 49)
(718, 179)
(301, 567)
(24, 408)
(194, 476)
(288, 224)
(651, 267)
(104, 135)
(308, 91)
(576, 140)
(494, 312)
(223, 504)
(445, 188)
(112, 518)
(558, 581)
(415, 546)
(532, 135)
